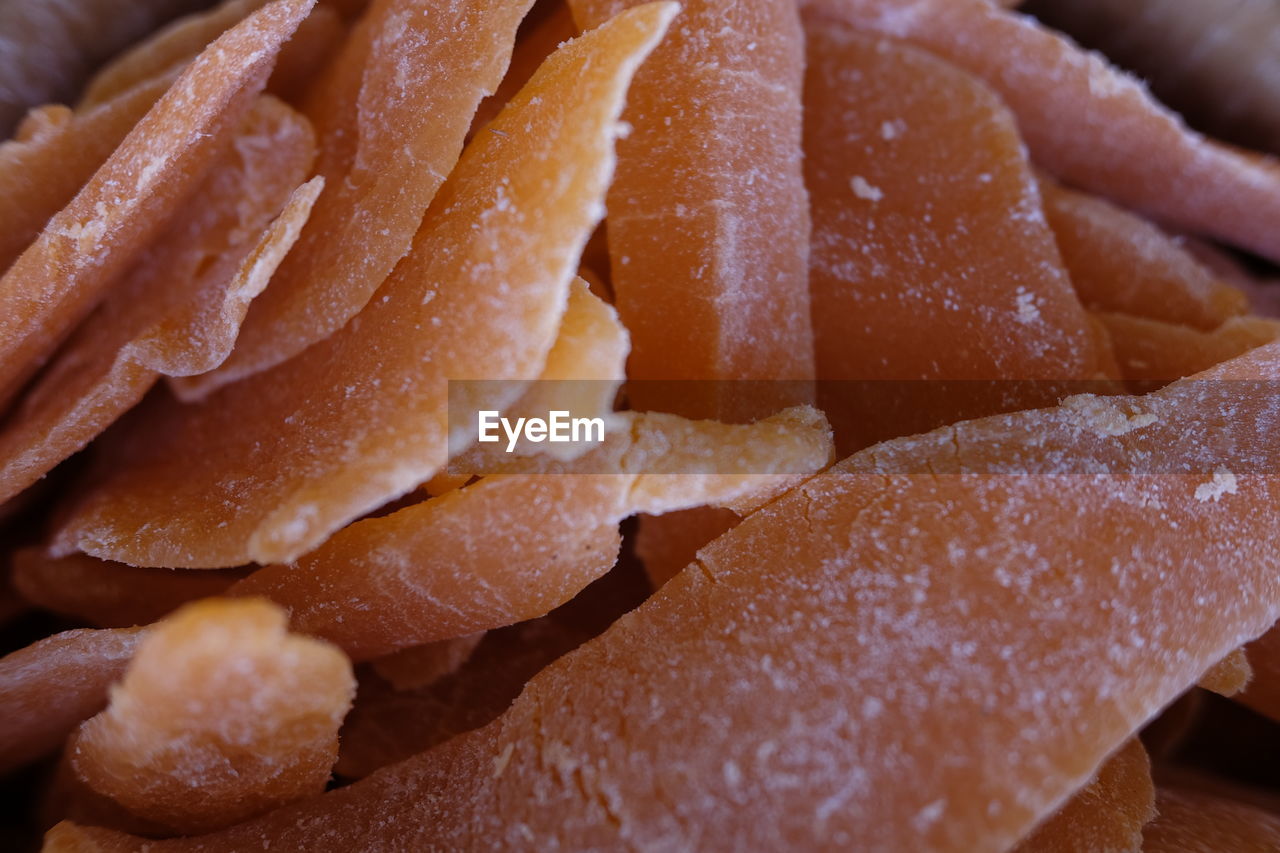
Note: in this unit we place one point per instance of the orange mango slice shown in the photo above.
(1153, 351)
(1123, 264)
(1190, 820)
(49, 687)
(1090, 124)
(425, 68)
(1024, 624)
(177, 311)
(532, 47)
(422, 666)
(360, 419)
(84, 248)
(221, 715)
(400, 580)
(110, 595)
(708, 225)
(1229, 676)
(1107, 814)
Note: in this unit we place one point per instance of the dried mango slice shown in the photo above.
(47, 165)
(360, 419)
(411, 577)
(222, 715)
(1123, 264)
(1229, 676)
(668, 543)
(531, 49)
(1152, 350)
(916, 171)
(1107, 814)
(708, 222)
(1194, 821)
(49, 687)
(1090, 124)
(177, 311)
(110, 595)
(54, 284)
(305, 55)
(955, 633)
(171, 46)
(422, 666)
(427, 67)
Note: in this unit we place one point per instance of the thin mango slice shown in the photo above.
(1154, 351)
(421, 666)
(110, 595)
(427, 65)
(708, 225)
(916, 171)
(1090, 124)
(305, 55)
(171, 46)
(360, 419)
(178, 310)
(1122, 264)
(1195, 821)
(531, 49)
(1107, 814)
(222, 715)
(1024, 624)
(84, 249)
(49, 687)
(55, 154)
(412, 577)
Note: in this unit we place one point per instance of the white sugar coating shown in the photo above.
(1091, 124)
(1104, 415)
(1027, 311)
(1223, 483)
(864, 190)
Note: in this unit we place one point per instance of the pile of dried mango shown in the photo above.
(933, 506)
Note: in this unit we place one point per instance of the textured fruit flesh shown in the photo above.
(916, 171)
(1124, 264)
(426, 67)
(361, 418)
(1190, 820)
(991, 649)
(399, 580)
(222, 715)
(85, 247)
(1107, 814)
(1155, 351)
(1090, 124)
(178, 309)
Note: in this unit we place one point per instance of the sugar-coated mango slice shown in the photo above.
(1193, 821)
(1229, 676)
(427, 65)
(1090, 124)
(1107, 814)
(49, 687)
(222, 715)
(1124, 264)
(110, 595)
(422, 666)
(173, 45)
(85, 247)
(708, 222)
(1023, 624)
(531, 49)
(361, 418)
(411, 577)
(1153, 350)
(56, 152)
(177, 311)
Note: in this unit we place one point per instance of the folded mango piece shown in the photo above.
(110, 595)
(1090, 124)
(426, 67)
(1153, 351)
(1124, 264)
(1107, 814)
(222, 715)
(916, 170)
(51, 686)
(411, 577)
(1194, 821)
(85, 247)
(168, 47)
(177, 311)
(708, 222)
(56, 152)
(361, 418)
(968, 624)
